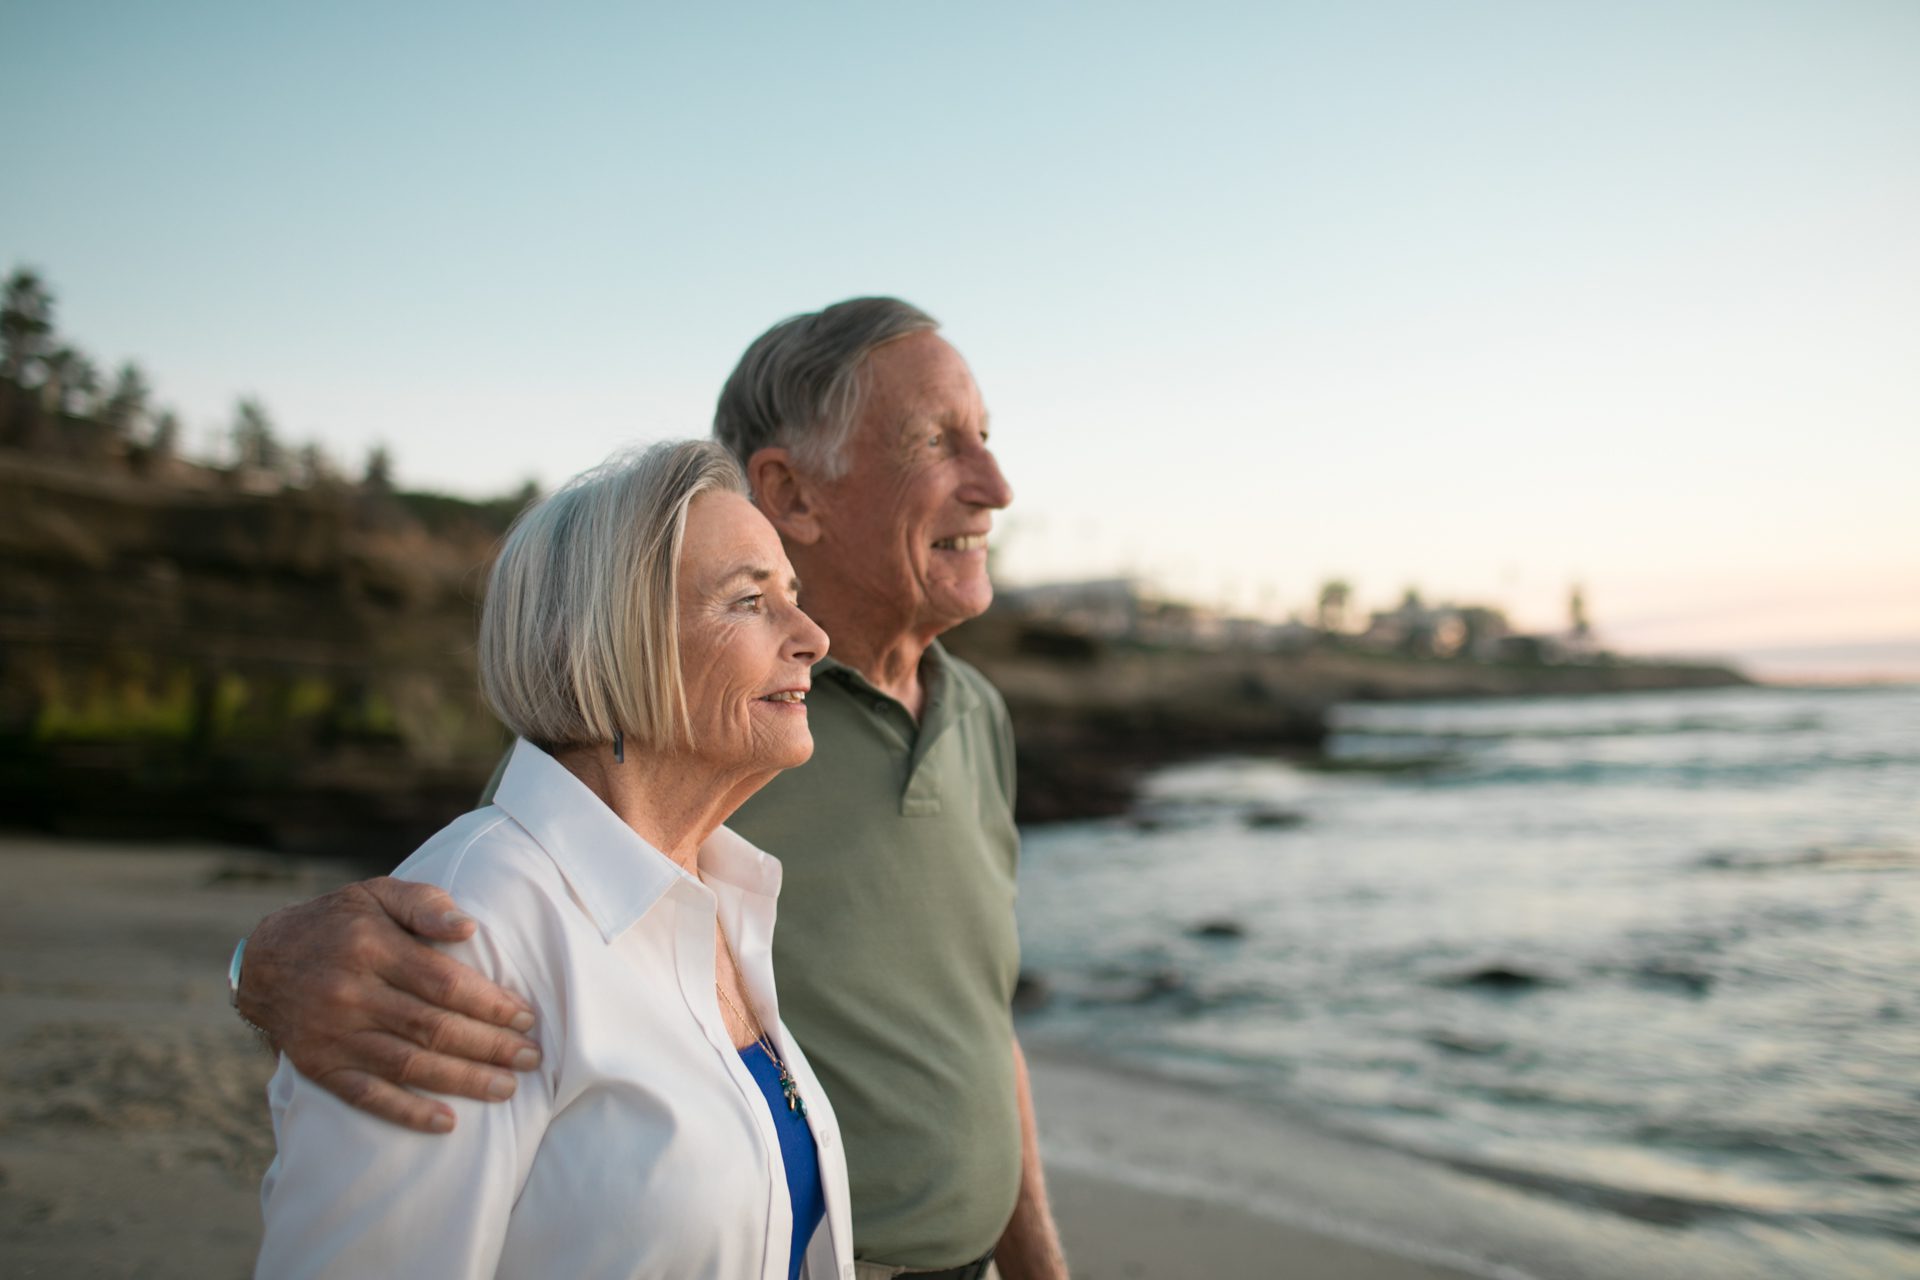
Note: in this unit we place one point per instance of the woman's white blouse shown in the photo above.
(642, 1146)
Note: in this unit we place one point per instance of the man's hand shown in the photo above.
(1029, 1248)
(346, 988)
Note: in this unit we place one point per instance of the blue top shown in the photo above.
(796, 1152)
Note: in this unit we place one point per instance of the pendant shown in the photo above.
(794, 1102)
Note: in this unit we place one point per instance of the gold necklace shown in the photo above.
(788, 1088)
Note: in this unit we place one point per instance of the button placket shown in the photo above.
(746, 1088)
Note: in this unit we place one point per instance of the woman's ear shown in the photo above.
(784, 495)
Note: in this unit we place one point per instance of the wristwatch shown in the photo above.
(233, 973)
(233, 993)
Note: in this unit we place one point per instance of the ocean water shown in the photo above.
(1654, 953)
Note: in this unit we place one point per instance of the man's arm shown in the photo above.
(1029, 1248)
(347, 989)
(351, 1196)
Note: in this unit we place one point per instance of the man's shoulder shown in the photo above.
(964, 673)
(998, 735)
(964, 670)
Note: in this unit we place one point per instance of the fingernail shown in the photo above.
(442, 1122)
(526, 1059)
(501, 1086)
(521, 1022)
(456, 919)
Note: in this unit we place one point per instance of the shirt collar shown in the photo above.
(945, 694)
(616, 875)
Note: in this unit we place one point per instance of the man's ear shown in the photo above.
(784, 495)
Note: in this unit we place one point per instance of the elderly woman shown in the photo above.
(642, 639)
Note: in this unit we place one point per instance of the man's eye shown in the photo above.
(753, 603)
(935, 438)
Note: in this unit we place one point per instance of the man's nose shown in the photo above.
(985, 486)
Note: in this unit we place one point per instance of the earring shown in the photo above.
(619, 747)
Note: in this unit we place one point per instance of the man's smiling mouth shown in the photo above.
(963, 542)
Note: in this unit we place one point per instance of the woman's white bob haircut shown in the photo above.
(579, 635)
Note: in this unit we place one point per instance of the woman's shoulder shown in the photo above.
(492, 866)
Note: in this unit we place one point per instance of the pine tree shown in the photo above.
(126, 402)
(254, 443)
(26, 325)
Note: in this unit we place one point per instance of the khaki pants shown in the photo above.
(880, 1271)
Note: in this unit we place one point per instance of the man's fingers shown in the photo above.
(453, 1035)
(349, 989)
(401, 1062)
(450, 985)
(371, 1094)
(423, 909)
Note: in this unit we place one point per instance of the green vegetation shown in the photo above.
(250, 645)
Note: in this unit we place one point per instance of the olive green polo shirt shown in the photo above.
(895, 952)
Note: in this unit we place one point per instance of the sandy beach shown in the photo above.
(135, 1128)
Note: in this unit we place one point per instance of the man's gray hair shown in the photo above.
(580, 632)
(798, 386)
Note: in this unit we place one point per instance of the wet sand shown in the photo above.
(1160, 1179)
(133, 1120)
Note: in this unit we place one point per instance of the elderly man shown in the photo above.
(864, 440)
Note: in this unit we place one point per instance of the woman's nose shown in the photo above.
(806, 642)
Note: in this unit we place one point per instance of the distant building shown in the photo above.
(1121, 610)
(1110, 608)
(1413, 627)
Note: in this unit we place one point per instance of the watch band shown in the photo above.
(233, 993)
(233, 973)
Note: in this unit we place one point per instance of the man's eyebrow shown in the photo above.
(914, 423)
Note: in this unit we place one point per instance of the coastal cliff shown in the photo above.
(293, 666)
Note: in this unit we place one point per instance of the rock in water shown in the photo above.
(1499, 977)
(1270, 819)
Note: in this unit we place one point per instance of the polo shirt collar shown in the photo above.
(616, 875)
(947, 697)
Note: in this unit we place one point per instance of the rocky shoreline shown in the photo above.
(1092, 718)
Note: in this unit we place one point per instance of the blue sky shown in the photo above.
(1482, 297)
